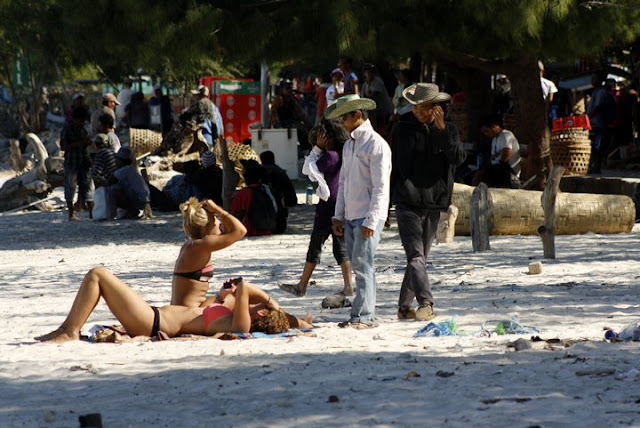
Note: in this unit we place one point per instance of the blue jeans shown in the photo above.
(361, 252)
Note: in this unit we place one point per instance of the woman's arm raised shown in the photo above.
(233, 228)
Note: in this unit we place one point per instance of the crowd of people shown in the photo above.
(96, 162)
(368, 152)
(353, 165)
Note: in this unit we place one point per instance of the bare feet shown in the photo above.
(305, 322)
(292, 289)
(73, 218)
(58, 335)
(347, 291)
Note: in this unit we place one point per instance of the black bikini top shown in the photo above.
(203, 275)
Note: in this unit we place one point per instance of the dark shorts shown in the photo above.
(322, 231)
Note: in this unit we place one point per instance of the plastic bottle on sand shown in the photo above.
(309, 195)
(630, 332)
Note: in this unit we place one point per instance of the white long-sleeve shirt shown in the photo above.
(311, 170)
(363, 191)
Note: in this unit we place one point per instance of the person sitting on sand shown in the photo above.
(192, 270)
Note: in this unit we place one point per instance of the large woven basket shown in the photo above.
(571, 148)
(142, 141)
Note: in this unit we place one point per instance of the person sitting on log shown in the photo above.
(503, 168)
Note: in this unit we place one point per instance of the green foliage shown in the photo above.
(183, 39)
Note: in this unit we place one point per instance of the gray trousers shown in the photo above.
(417, 230)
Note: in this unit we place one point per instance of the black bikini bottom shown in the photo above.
(156, 322)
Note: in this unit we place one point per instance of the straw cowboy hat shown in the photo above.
(425, 93)
(347, 104)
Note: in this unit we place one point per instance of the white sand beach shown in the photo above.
(379, 377)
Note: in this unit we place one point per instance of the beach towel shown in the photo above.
(258, 335)
(117, 334)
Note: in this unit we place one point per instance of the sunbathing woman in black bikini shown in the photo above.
(244, 303)
(193, 268)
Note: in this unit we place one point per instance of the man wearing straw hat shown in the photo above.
(362, 200)
(426, 152)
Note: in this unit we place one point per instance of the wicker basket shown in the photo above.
(142, 141)
(571, 148)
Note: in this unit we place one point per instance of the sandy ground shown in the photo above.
(342, 377)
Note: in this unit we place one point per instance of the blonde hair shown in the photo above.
(194, 218)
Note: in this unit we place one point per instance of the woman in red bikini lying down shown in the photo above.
(238, 307)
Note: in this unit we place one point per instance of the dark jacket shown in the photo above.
(424, 163)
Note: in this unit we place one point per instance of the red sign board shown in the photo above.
(239, 104)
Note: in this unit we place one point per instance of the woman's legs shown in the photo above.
(319, 235)
(306, 276)
(128, 307)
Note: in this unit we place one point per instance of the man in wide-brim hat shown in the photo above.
(362, 200)
(426, 152)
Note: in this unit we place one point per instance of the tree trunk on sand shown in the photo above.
(476, 86)
(480, 218)
(548, 230)
(229, 176)
(529, 110)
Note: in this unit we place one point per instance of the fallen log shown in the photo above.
(519, 212)
(447, 225)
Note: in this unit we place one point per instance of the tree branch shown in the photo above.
(463, 60)
(601, 4)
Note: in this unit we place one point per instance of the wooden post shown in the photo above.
(230, 176)
(447, 225)
(15, 157)
(548, 230)
(480, 214)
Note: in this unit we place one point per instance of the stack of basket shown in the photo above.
(458, 115)
(142, 141)
(571, 149)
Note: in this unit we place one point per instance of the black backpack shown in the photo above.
(262, 211)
